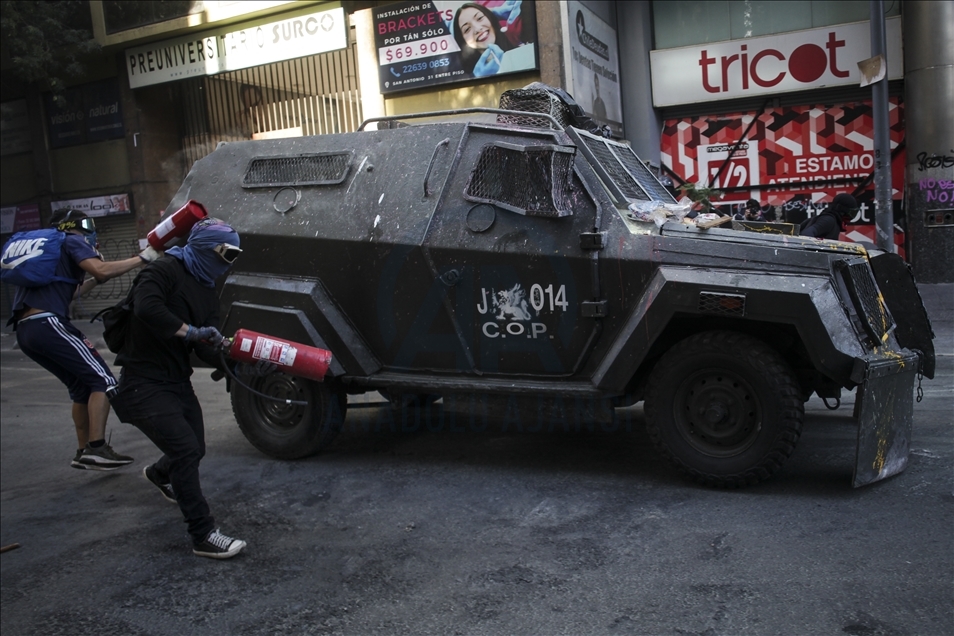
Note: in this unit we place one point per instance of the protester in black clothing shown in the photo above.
(175, 310)
(831, 222)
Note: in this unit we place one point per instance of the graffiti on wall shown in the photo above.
(937, 191)
(934, 161)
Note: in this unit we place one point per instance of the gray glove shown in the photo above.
(149, 254)
(210, 335)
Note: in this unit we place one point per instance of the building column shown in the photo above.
(156, 161)
(929, 133)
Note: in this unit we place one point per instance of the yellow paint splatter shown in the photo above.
(879, 460)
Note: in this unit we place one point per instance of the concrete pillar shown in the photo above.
(641, 123)
(156, 162)
(372, 102)
(929, 131)
(551, 17)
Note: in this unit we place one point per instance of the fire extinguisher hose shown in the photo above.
(228, 370)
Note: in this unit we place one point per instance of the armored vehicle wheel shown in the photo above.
(725, 408)
(288, 431)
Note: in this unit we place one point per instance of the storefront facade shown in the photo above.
(167, 89)
(766, 100)
(807, 132)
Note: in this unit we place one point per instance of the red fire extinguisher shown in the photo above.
(176, 225)
(292, 358)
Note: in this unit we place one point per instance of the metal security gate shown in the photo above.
(117, 241)
(312, 95)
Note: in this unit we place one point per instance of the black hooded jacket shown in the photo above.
(826, 225)
(166, 295)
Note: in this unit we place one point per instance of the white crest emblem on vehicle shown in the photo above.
(513, 303)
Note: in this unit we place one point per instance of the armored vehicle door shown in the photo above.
(508, 250)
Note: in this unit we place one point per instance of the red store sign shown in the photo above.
(794, 151)
(779, 63)
(795, 159)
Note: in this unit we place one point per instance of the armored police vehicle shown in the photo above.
(501, 259)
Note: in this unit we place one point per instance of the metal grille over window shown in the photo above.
(320, 169)
(867, 299)
(722, 304)
(531, 180)
(312, 95)
(623, 172)
(532, 100)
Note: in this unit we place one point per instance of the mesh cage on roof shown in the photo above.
(532, 100)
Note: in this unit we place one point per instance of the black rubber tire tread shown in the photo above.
(764, 369)
(289, 431)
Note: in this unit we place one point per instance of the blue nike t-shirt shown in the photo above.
(57, 296)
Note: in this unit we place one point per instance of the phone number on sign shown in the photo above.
(423, 66)
(424, 48)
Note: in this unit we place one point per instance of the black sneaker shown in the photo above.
(102, 458)
(218, 546)
(149, 473)
(76, 460)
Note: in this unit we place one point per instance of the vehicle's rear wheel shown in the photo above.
(724, 408)
(288, 431)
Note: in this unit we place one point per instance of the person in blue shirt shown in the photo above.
(45, 334)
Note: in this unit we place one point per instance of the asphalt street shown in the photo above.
(463, 527)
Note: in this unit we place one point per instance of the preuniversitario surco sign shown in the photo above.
(229, 50)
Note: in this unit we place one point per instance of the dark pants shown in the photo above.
(169, 414)
(58, 346)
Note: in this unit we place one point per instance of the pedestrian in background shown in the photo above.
(175, 312)
(831, 222)
(45, 334)
(752, 212)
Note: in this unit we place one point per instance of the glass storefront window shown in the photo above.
(701, 21)
(121, 15)
(750, 19)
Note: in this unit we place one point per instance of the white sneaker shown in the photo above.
(218, 546)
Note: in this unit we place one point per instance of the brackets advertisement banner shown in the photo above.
(423, 44)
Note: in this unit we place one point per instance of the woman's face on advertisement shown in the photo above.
(476, 28)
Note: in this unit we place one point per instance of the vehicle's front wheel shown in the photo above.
(724, 408)
(288, 431)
